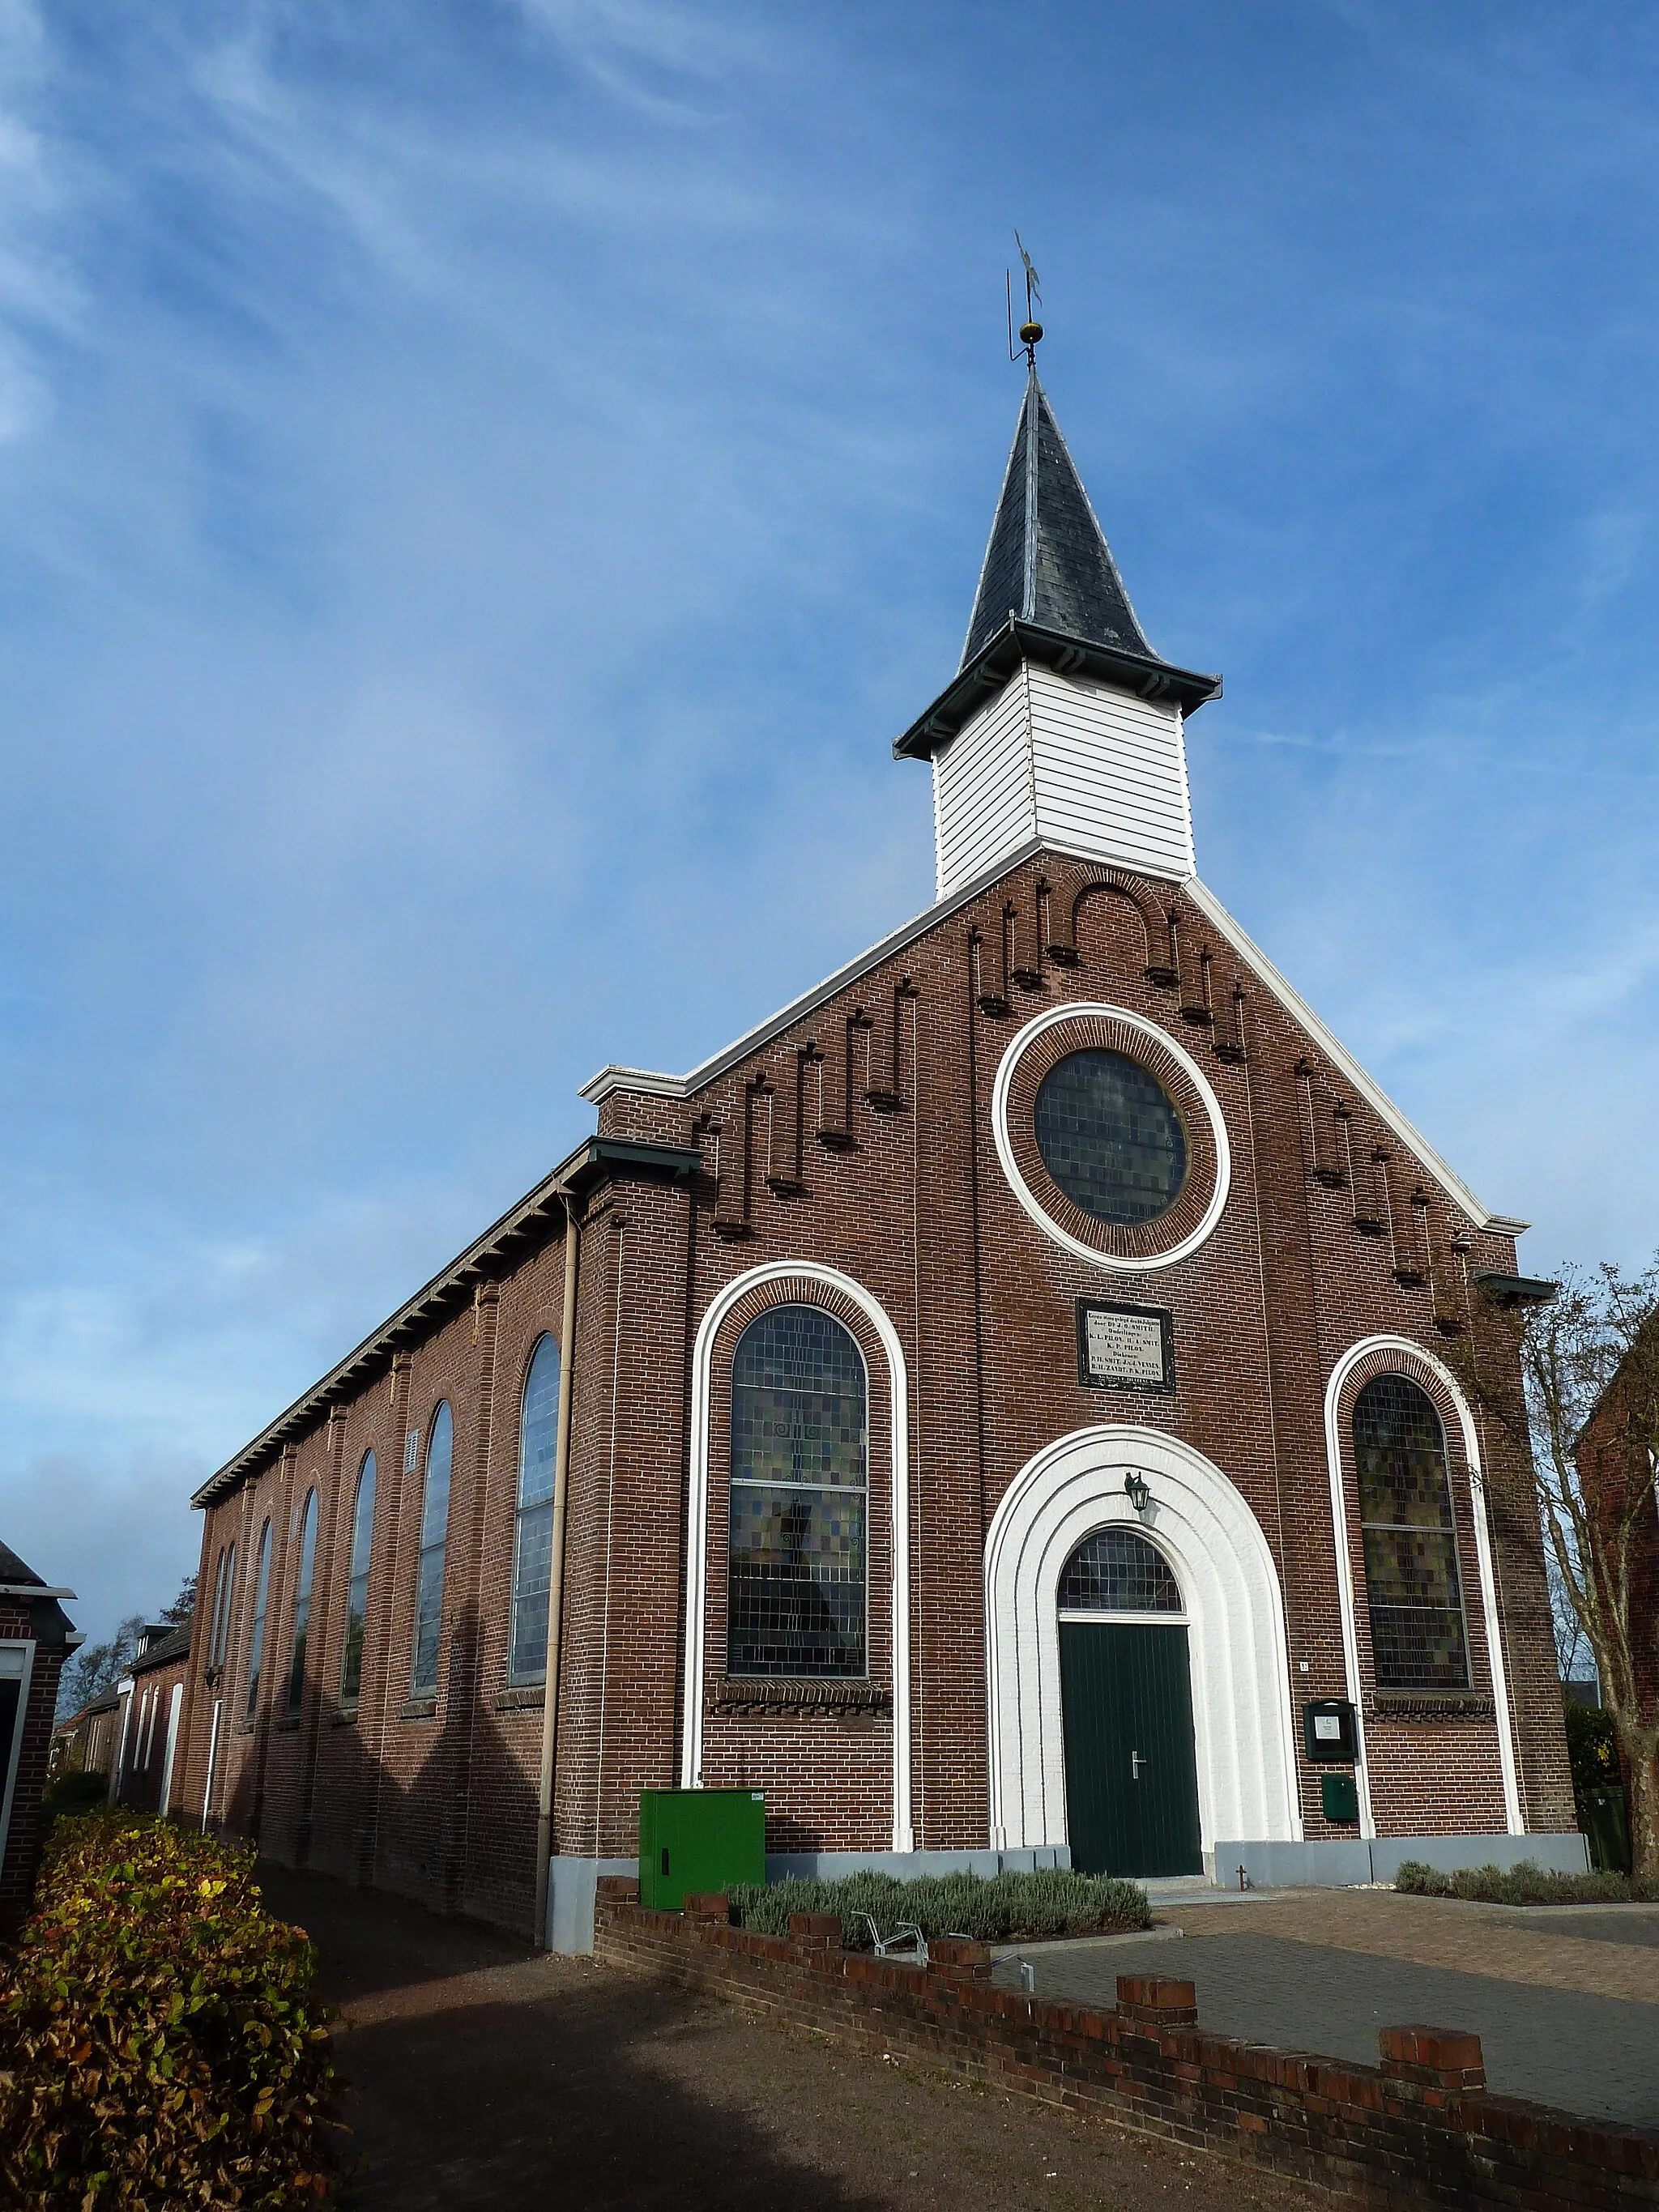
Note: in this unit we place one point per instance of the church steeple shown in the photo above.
(1046, 560)
(1061, 730)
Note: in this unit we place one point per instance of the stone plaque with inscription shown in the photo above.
(1125, 1347)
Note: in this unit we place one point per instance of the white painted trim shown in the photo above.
(1397, 1347)
(24, 1679)
(598, 1088)
(1116, 1261)
(174, 1706)
(1337, 1054)
(696, 1564)
(1243, 1722)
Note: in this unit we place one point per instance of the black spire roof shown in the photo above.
(1048, 561)
(1049, 591)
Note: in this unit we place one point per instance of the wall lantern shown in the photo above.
(1137, 1491)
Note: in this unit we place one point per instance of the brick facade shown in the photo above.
(872, 1151)
(35, 1640)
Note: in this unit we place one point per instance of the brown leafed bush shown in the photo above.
(158, 2043)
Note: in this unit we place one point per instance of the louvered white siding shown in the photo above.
(1082, 766)
(984, 792)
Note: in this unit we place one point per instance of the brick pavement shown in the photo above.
(1611, 1957)
(1592, 2054)
(482, 2078)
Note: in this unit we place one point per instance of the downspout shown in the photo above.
(556, 1571)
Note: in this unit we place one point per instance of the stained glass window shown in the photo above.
(800, 1494)
(256, 1642)
(224, 1589)
(1115, 1570)
(1110, 1136)
(429, 1581)
(533, 1545)
(363, 1541)
(1418, 1640)
(296, 1671)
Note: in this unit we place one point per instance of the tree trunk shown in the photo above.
(1642, 1765)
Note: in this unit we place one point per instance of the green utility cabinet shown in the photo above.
(695, 1841)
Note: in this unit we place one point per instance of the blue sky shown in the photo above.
(482, 484)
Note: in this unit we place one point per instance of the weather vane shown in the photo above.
(1030, 330)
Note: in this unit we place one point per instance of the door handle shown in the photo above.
(1136, 1762)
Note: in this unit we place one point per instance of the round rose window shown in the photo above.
(1111, 1137)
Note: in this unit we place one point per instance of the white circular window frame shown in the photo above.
(1116, 1262)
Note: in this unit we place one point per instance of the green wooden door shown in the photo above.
(1131, 1776)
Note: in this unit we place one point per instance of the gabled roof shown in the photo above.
(174, 1645)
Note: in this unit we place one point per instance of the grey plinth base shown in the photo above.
(1334, 1863)
(572, 1883)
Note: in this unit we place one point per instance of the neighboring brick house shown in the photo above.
(997, 1407)
(36, 1637)
(85, 1742)
(152, 1694)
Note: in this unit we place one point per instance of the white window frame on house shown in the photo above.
(17, 1665)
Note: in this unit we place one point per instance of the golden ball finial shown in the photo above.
(1029, 333)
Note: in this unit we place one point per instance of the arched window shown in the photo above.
(296, 1671)
(796, 1600)
(533, 1535)
(256, 1642)
(362, 1540)
(1116, 1570)
(224, 1592)
(1417, 1639)
(430, 1583)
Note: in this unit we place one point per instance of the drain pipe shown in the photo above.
(556, 1569)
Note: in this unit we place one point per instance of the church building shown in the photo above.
(1004, 1408)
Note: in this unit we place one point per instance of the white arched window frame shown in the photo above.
(356, 1608)
(296, 1663)
(435, 1535)
(256, 1641)
(532, 1519)
(696, 1572)
(1420, 1365)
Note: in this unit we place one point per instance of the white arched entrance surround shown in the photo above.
(1242, 1718)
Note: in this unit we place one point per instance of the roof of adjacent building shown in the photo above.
(173, 1645)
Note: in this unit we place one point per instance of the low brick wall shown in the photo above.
(1419, 2128)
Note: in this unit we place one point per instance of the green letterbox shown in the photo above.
(693, 1840)
(1339, 1800)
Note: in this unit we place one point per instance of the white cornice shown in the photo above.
(598, 1088)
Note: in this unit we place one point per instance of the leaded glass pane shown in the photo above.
(256, 1642)
(362, 1540)
(1417, 1638)
(798, 1401)
(1115, 1570)
(796, 1580)
(429, 1585)
(1110, 1136)
(798, 1560)
(533, 1553)
(296, 1672)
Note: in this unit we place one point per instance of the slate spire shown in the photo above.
(1048, 561)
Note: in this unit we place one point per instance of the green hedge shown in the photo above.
(999, 1909)
(158, 2043)
(1526, 1883)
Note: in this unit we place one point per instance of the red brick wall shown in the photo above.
(1419, 2128)
(22, 1847)
(440, 1802)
